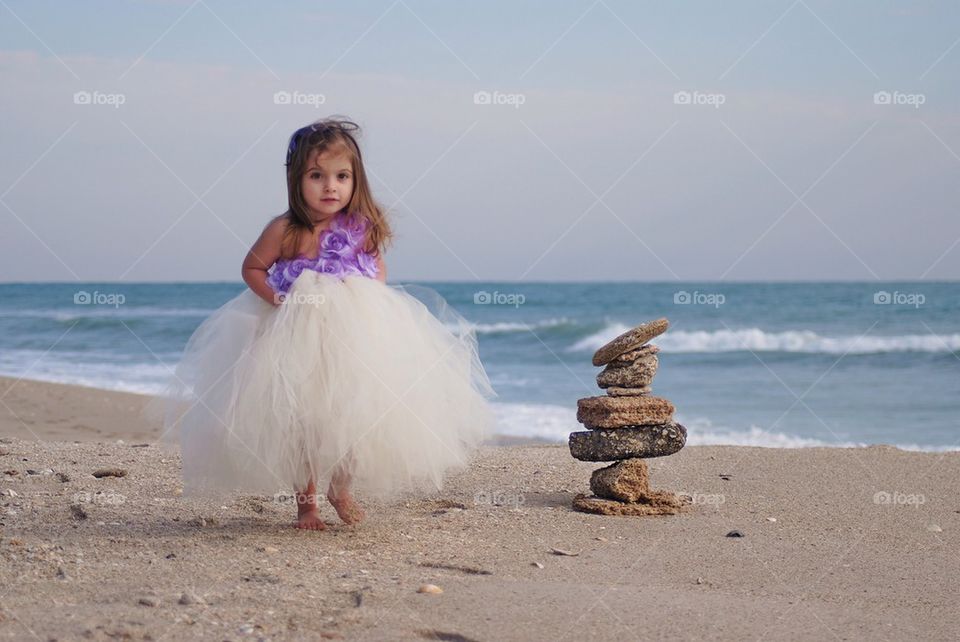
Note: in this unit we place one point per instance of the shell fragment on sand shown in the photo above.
(625, 481)
(606, 411)
(630, 340)
(656, 503)
(634, 375)
(627, 442)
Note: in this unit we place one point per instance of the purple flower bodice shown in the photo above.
(340, 254)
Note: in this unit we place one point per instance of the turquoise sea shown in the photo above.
(767, 364)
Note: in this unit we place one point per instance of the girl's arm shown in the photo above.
(381, 269)
(261, 257)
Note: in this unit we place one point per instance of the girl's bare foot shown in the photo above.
(339, 496)
(308, 513)
(310, 520)
(347, 509)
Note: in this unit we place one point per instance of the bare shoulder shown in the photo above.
(275, 227)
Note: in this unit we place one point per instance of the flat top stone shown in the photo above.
(630, 340)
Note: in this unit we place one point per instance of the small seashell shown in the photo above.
(560, 551)
(433, 589)
(771, 519)
(537, 564)
(734, 534)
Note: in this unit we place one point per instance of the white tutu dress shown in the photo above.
(348, 374)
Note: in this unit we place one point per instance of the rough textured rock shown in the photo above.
(606, 411)
(629, 357)
(657, 503)
(634, 375)
(627, 442)
(625, 481)
(630, 340)
(620, 391)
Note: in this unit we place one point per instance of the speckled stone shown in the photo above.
(625, 481)
(618, 391)
(656, 503)
(630, 340)
(629, 357)
(606, 411)
(627, 442)
(637, 374)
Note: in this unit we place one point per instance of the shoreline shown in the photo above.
(87, 414)
(100, 414)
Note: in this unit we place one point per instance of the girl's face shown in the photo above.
(327, 183)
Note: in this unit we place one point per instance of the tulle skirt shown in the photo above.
(349, 376)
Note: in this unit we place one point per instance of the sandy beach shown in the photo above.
(837, 544)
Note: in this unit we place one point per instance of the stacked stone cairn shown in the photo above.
(627, 425)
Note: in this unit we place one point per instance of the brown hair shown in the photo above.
(332, 134)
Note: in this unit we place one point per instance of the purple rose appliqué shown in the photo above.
(336, 243)
(367, 263)
(295, 268)
(330, 265)
(355, 226)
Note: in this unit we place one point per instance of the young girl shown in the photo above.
(319, 375)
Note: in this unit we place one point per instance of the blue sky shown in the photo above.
(598, 174)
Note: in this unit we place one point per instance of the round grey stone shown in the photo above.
(627, 442)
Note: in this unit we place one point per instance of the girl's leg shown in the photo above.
(308, 513)
(339, 496)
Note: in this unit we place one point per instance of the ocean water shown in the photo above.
(764, 364)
